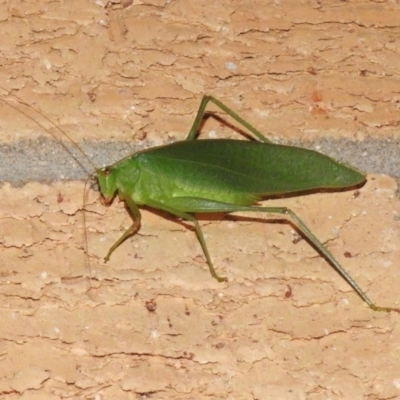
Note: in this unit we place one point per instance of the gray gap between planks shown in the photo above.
(45, 160)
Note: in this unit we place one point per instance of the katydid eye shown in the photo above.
(107, 171)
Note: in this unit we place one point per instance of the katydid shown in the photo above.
(224, 175)
(221, 175)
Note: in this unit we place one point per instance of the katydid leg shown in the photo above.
(205, 205)
(202, 241)
(200, 113)
(136, 216)
(191, 218)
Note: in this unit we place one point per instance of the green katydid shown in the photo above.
(222, 175)
(203, 176)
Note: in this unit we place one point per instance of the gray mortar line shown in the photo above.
(45, 160)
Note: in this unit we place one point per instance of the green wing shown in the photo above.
(242, 171)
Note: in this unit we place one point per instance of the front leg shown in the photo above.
(136, 216)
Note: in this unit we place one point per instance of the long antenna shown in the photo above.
(24, 103)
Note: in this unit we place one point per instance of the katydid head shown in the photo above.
(106, 177)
